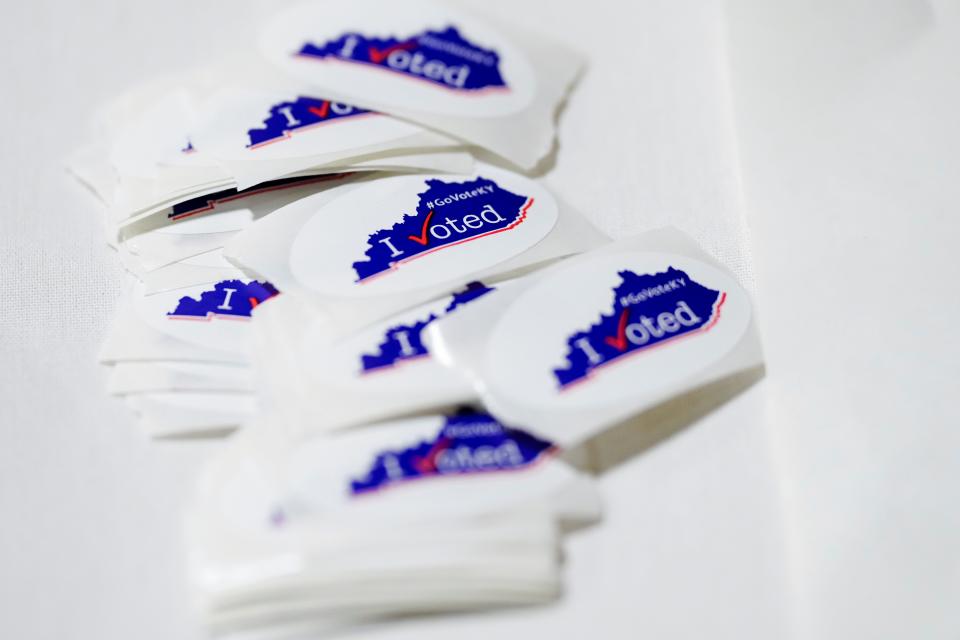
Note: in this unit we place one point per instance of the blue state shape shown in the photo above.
(227, 298)
(405, 341)
(468, 443)
(303, 111)
(699, 299)
(457, 63)
(411, 236)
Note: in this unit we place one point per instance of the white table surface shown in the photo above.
(821, 503)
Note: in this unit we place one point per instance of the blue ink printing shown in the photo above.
(448, 214)
(468, 443)
(296, 115)
(228, 298)
(404, 342)
(443, 58)
(648, 310)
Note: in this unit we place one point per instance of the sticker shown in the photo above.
(247, 125)
(156, 136)
(408, 232)
(211, 316)
(444, 58)
(425, 232)
(418, 55)
(389, 361)
(298, 115)
(466, 444)
(648, 311)
(403, 342)
(232, 299)
(430, 464)
(209, 202)
(614, 329)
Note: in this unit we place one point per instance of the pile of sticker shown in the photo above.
(335, 249)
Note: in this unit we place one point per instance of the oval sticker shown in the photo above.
(403, 233)
(618, 329)
(391, 357)
(212, 316)
(243, 124)
(412, 55)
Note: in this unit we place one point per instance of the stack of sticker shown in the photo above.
(397, 518)
(186, 161)
(447, 331)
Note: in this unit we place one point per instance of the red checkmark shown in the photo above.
(253, 302)
(422, 238)
(428, 464)
(321, 111)
(619, 342)
(378, 55)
